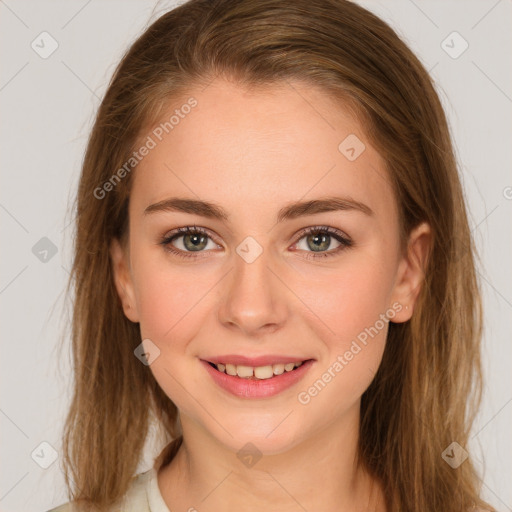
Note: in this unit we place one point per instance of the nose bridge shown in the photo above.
(253, 298)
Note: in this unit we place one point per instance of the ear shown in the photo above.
(123, 280)
(411, 272)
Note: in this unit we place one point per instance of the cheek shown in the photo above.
(350, 309)
(170, 315)
(167, 298)
(351, 299)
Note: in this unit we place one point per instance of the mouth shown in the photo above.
(257, 378)
(261, 372)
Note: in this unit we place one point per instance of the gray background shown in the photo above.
(47, 107)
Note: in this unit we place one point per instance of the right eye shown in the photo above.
(194, 239)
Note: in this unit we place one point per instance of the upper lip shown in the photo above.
(255, 361)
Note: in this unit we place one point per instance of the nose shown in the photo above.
(253, 299)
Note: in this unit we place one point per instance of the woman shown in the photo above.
(319, 351)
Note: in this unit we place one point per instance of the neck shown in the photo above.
(319, 473)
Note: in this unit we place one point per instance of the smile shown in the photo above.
(263, 381)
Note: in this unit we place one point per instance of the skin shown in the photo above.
(253, 152)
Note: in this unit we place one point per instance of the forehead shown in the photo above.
(263, 146)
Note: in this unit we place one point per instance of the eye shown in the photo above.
(318, 238)
(194, 240)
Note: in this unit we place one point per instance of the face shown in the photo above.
(260, 280)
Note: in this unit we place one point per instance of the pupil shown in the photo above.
(319, 239)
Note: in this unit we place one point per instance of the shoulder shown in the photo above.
(135, 499)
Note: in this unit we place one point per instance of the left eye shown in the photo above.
(319, 238)
(317, 241)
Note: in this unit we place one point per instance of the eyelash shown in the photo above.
(194, 230)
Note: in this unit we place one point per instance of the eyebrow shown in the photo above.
(288, 212)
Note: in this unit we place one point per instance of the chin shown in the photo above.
(258, 441)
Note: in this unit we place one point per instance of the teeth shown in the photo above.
(278, 369)
(260, 372)
(230, 369)
(264, 372)
(244, 371)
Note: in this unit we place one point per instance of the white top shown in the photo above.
(142, 496)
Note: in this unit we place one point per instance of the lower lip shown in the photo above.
(248, 388)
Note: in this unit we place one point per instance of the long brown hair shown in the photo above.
(428, 387)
